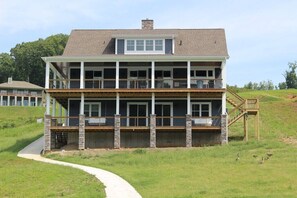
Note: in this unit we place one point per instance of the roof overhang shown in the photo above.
(132, 58)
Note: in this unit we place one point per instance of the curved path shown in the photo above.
(115, 186)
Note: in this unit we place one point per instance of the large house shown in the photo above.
(20, 93)
(138, 88)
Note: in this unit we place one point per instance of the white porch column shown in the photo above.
(48, 103)
(36, 101)
(54, 107)
(55, 79)
(189, 104)
(188, 74)
(153, 76)
(117, 104)
(15, 101)
(1, 100)
(153, 103)
(29, 101)
(224, 75)
(47, 74)
(82, 71)
(82, 104)
(60, 113)
(224, 106)
(117, 75)
(60, 110)
(22, 103)
(8, 100)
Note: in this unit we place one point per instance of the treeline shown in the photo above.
(290, 81)
(24, 61)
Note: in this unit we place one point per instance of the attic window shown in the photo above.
(145, 46)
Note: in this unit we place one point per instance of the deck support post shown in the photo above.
(188, 130)
(245, 127)
(15, 101)
(22, 101)
(8, 100)
(47, 133)
(1, 100)
(153, 131)
(257, 118)
(224, 129)
(81, 132)
(117, 131)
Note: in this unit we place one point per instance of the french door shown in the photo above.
(137, 114)
(164, 114)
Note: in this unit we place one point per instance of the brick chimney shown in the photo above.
(147, 24)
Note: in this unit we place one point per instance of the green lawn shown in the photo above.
(234, 170)
(26, 178)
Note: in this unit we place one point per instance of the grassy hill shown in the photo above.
(265, 168)
(25, 178)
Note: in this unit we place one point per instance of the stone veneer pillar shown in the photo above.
(47, 133)
(81, 132)
(224, 129)
(153, 131)
(188, 130)
(117, 131)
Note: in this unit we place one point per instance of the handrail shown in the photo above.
(235, 94)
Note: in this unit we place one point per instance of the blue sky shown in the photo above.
(261, 35)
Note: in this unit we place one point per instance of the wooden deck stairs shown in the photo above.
(242, 108)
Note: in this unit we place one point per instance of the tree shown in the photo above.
(290, 76)
(7, 67)
(282, 85)
(27, 57)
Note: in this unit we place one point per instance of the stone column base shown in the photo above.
(188, 130)
(117, 131)
(153, 131)
(47, 133)
(224, 129)
(81, 133)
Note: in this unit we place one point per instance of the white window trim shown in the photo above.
(144, 47)
(201, 103)
(137, 103)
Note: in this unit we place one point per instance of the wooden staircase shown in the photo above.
(242, 108)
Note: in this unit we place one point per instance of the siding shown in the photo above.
(120, 46)
(168, 46)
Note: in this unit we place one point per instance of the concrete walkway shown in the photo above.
(115, 186)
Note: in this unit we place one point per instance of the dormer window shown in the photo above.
(145, 46)
(134, 45)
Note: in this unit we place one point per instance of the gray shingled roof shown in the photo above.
(20, 85)
(188, 42)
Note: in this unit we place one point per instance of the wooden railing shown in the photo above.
(139, 83)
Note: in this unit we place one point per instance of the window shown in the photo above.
(159, 45)
(202, 73)
(130, 45)
(92, 110)
(139, 45)
(144, 46)
(201, 109)
(149, 45)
